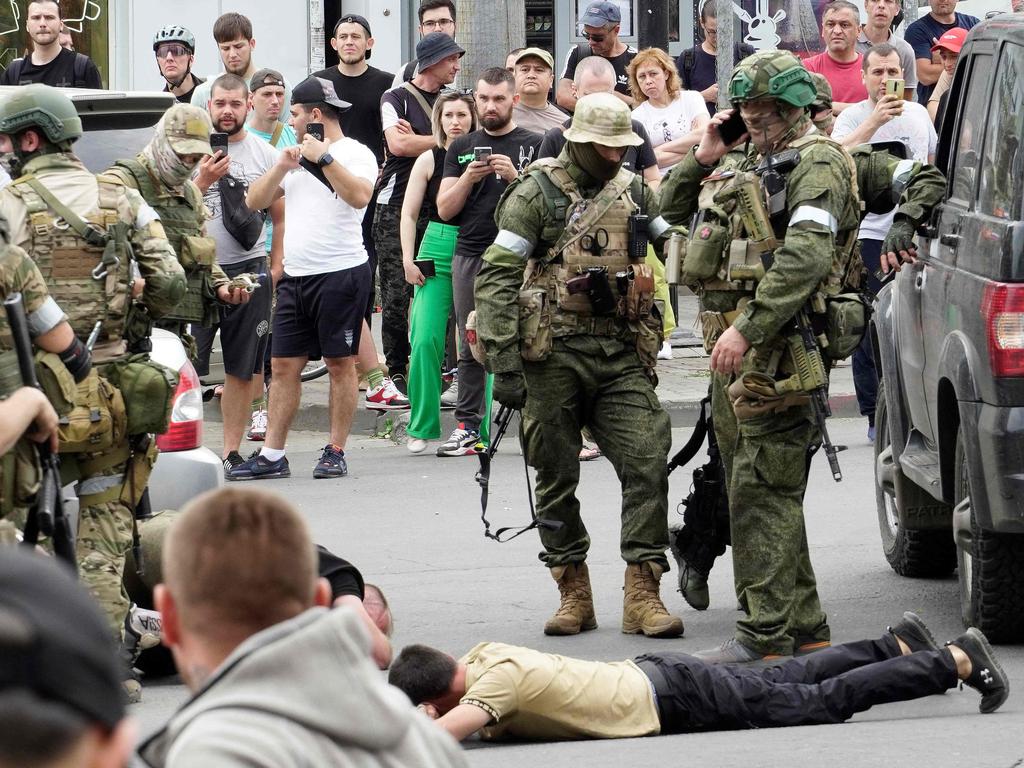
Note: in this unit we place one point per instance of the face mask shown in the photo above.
(11, 163)
(592, 163)
(172, 170)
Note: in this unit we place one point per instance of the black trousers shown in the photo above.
(829, 686)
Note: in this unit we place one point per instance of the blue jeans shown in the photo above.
(865, 377)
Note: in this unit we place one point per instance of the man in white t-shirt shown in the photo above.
(326, 186)
(879, 118)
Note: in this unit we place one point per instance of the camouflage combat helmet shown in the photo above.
(188, 129)
(40, 106)
(772, 75)
(823, 92)
(603, 119)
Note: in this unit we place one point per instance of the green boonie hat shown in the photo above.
(772, 75)
(188, 130)
(602, 118)
(823, 99)
(43, 107)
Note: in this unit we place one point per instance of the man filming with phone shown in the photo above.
(326, 182)
(883, 116)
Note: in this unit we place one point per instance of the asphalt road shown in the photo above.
(411, 524)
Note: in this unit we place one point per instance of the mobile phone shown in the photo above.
(733, 128)
(316, 130)
(480, 154)
(219, 141)
(894, 86)
(425, 266)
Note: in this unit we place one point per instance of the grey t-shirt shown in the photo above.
(251, 158)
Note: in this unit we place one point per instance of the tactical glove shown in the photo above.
(899, 238)
(510, 389)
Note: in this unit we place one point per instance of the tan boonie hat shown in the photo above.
(537, 53)
(188, 129)
(602, 118)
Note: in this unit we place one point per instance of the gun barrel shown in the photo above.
(14, 306)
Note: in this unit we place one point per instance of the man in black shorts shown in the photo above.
(326, 185)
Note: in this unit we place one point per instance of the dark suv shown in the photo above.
(949, 330)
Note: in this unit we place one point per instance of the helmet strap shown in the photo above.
(184, 77)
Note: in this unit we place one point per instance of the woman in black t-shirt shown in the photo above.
(454, 114)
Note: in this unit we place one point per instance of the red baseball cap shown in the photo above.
(952, 40)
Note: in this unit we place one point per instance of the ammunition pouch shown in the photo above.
(97, 420)
(20, 476)
(649, 334)
(714, 324)
(197, 256)
(535, 334)
(138, 328)
(755, 394)
(148, 390)
(709, 242)
(56, 382)
(846, 323)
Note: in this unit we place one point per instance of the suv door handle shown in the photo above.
(950, 240)
(919, 281)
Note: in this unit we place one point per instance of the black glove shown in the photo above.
(510, 389)
(899, 238)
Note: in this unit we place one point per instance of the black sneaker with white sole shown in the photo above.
(259, 467)
(231, 461)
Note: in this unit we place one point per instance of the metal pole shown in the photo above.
(726, 53)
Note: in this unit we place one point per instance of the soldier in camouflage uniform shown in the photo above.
(86, 233)
(161, 173)
(885, 180)
(565, 311)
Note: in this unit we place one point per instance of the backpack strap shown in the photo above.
(689, 61)
(276, 136)
(419, 98)
(410, 70)
(15, 69)
(80, 66)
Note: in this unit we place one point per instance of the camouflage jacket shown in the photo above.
(19, 274)
(527, 228)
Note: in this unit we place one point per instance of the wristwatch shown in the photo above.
(325, 159)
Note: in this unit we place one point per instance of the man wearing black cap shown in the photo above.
(405, 115)
(326, 185)
(60, 690)
(600, 22)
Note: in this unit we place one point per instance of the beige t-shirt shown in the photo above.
(534, 695)
(538, 120)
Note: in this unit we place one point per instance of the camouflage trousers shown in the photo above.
(598, 383)
(395, 292)
(766, 461)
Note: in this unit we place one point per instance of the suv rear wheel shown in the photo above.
(990, 570)
(927, 553)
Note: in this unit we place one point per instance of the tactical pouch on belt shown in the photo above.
(754, 394)
(20, 476)
(98, 414)
(640, 292)
(535, 337)
(137, 473)
(56, 382)
(846, 323)
(148, 390)
(649, 337)
(197, 256)
(704, 253)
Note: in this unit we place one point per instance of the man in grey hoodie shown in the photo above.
(277, 679)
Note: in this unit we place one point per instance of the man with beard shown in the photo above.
(233, 34)
(175, 48)
(472, 186)
(49, 63)
(586, 356)
(222, 178)
(160, 172)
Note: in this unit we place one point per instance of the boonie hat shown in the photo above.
(601, 14)
(188, 129)
(952, 40)
(537, 53)
(436, 47)
(54, 642)
(314, 90)
(265, 77)
(602, 118)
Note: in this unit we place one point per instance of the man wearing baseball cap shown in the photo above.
(922, 35)
(600, 22)
(948, 48)
(534, 70)
(60, 682)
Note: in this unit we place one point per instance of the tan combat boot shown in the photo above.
(642, 609)
(576, 612)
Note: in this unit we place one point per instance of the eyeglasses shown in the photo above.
(594, 38)
(171, 48)
(438, 24)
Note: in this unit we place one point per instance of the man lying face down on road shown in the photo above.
(510, 692)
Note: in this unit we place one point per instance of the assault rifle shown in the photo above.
(46, 516)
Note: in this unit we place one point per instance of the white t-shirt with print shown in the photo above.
(666, 124)
(323, 232)
(913, 128)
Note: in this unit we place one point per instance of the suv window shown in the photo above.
(1002, 186)
(99, 149)
(968, 139)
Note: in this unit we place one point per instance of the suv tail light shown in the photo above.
(186, 429)
(1002, 309)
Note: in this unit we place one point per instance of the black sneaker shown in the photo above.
(987, 676)
(332, 463)
(400, 382)
(732, 651)
(912, 631)
(231, 461)
(258, 467)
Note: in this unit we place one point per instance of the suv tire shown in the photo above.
(928, 553)
(991, 575)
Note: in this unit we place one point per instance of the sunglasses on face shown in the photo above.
(171, 48)
(594, 38)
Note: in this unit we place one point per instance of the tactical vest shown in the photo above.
(90, 280)
(182, 218)
(604, 243)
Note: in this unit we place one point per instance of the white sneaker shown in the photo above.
(258, 427)
(416, 445)
(665, 353)
(386, 397)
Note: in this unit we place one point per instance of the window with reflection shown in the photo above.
(1002, 184)
(970, 133)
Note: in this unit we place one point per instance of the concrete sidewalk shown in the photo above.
(682, 382)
